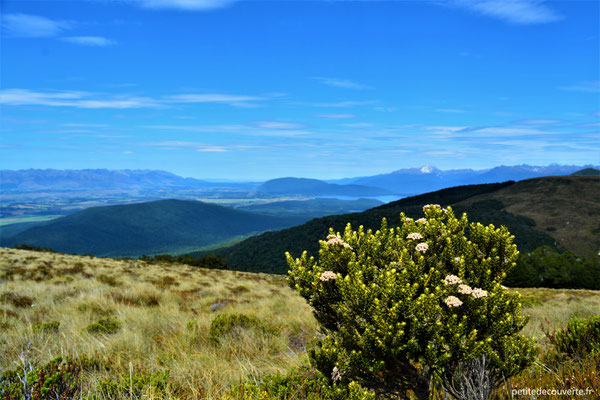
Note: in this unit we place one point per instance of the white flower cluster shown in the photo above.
(457, 259)
(452, 280)
(414, 236)
(335, 240)
(422, 247)
(452, 301)
(327, 276)
(464, 289)
(422, 221)
(431, 205)
(478, 293)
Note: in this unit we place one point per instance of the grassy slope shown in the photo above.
(165, 311)
(152, 227)
(265, 252)
(312, 207)
(566, 207)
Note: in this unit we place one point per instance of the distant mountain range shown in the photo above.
(145, 228)
(429, 178)
(403, 182)
(561, 211)
(86, 179)
(314, 187)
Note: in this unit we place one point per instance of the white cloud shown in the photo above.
(190, 5)
(212, 149)
(278, 125)
(231, 129)
(335, 116)
(78, 99)
(345, 104)
(586, 87)
(538, 122)
(26, 25)
(521, 12)
(343, 83)
(450, 110)
(97, 41)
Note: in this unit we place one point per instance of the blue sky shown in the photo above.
(251, 90)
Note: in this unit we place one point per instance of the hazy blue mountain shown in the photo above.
(426, 179)
(146, 228)
(312, 208)
(315, 187)
(53, 179)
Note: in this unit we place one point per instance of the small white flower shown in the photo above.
(327, 276)
(452, 301)
(431, 205)
(478, 293)
(422, 221)
(414, 236)
(464, 289)
(334, 240)
(457, 259)
(407, 219)
(452, 280)
(422, 247)
(336, 375)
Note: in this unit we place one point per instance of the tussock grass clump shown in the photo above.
(105, 326)
(47, 327)
(16, 299)
(231, 324)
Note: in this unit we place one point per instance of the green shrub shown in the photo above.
(300, 383)
(405, 308)
(581, 336)
(58, 379)
(47, 327)
(104, 326)
(227, 323)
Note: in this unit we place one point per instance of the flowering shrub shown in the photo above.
(405, 309)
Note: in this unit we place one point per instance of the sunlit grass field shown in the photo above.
(157, 318)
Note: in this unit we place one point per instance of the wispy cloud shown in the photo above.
(278, 125)
(97, 41)
(343, 83)
(79, 99)
(189, 5)
(26, 25)
(347, 103)
(586, 87)
(335, 116)
(450, 110)
(235, 129)
(520, 12)
(538, 122)
(20, 97)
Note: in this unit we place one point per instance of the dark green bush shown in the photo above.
(47, 327)
(580, 337)
(104, 326)
(58, 379)
(16, 299)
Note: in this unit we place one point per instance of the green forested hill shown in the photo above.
(529, 210)
(265, 252)
(146, 228)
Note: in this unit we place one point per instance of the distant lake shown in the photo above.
(385, 199)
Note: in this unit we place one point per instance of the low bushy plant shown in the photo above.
(227, 323)
(104, 326)
(59, 379)
(403, 308)
(580, 337)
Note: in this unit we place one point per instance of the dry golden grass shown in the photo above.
(165, 312)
